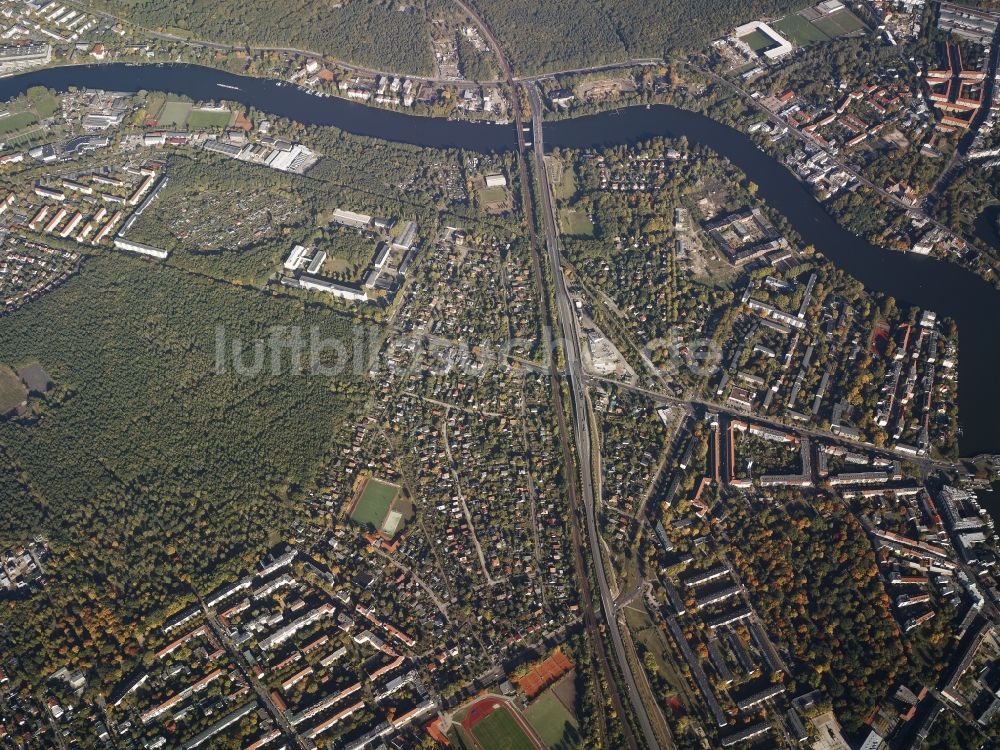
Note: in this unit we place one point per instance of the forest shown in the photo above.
(578, 33)
(818, 590)
(393, 37)
(381, 34)
(149, 470)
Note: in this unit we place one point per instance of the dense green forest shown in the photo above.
(576, 33)
(381, 34)
(391, 36)
(146, 468)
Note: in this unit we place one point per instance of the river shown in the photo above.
(925, 282)
(987, 229)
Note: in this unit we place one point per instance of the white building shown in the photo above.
(351, 219)
(317, 262)
(137, 247)
(342, 291)
(295, 258)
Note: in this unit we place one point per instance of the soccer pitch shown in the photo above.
(374, 503)
(500, 731)
(209, 118)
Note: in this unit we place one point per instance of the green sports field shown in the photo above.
(758, 42)
(553, 723)
(174, 114)
(500, 731)
(840, 23)
(209, 118)
(374, 503)
(492, 195)
(799, 30)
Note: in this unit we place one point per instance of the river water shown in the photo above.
(925, 282)
(987, 228)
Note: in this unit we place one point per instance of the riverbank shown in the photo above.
(445, 102)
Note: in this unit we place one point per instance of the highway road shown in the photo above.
(586, 600)
(573, 371)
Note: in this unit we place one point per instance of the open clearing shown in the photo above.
(44, 102)
(18, 121)
(35, 377)
(575, 223)
(563, 178)
(644, 631)
(12, 390)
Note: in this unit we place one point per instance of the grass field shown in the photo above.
(34, 377)
(154, 103)
(374, 503)
(840, 23)
(645, 632)
(553, 723)
(758, 41)
(12, 390)
(43, 101)
(500, 731)
(799, 30)
(563, 179)
(16, 121)
(575, 223)
(209, 118)
(493, 195)
(173, 114)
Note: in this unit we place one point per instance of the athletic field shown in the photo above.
(209, 118)
(494, 727)
(173, 114)
(799, 30)
(758, 41)
(374, 503)
(840, 23)
(552, 722)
